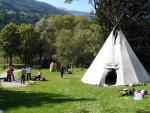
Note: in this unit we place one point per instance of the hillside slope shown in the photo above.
(31, 6)
(30, 11)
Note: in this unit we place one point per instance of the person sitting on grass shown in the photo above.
(39, 75)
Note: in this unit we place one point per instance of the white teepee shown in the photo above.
(116, 64)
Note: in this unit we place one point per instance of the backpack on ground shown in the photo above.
(128, 91)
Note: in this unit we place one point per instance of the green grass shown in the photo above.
(69, 95)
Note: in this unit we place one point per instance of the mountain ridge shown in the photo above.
(76, 13)
(33, 6)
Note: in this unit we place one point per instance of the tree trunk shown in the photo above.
(10, 61)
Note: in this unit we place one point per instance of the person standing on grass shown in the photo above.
(62, 70)
(23, 73)
(28, 73)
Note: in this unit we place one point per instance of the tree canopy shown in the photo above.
(29, 43)
(1, 15)
(132, 16)
(10, 40)
(75, 38)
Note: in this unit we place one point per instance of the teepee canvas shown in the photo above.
(116, 64)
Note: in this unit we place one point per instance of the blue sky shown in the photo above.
(81, 5)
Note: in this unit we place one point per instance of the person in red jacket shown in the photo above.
(9, 73)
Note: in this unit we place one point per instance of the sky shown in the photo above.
(81, 5)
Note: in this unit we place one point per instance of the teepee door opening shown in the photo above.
(111, 77)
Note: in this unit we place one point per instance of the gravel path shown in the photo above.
(16, 83)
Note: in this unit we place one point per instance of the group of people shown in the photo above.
(60, 68)
(27, 71)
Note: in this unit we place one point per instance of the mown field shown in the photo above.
(69, 95)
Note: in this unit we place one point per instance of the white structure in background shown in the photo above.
(116, 64)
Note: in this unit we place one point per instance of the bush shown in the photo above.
(3, 67)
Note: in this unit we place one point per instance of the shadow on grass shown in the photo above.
(84, 111)
(13, 99)
(143, 111)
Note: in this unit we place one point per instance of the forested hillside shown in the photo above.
(30, 6)
(19, 18)
(26, 11)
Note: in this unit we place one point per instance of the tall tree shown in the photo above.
(1, 15)
(29, 43)
(10, 40)
(47, 38)
(64, 46)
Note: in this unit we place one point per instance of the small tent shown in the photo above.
(116, 64)
(53, 67)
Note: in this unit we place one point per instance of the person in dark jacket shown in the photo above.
(62, 70)
(12, 69)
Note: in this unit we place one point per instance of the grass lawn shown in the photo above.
(69, 95)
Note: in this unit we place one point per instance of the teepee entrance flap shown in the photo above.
(111, 77)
